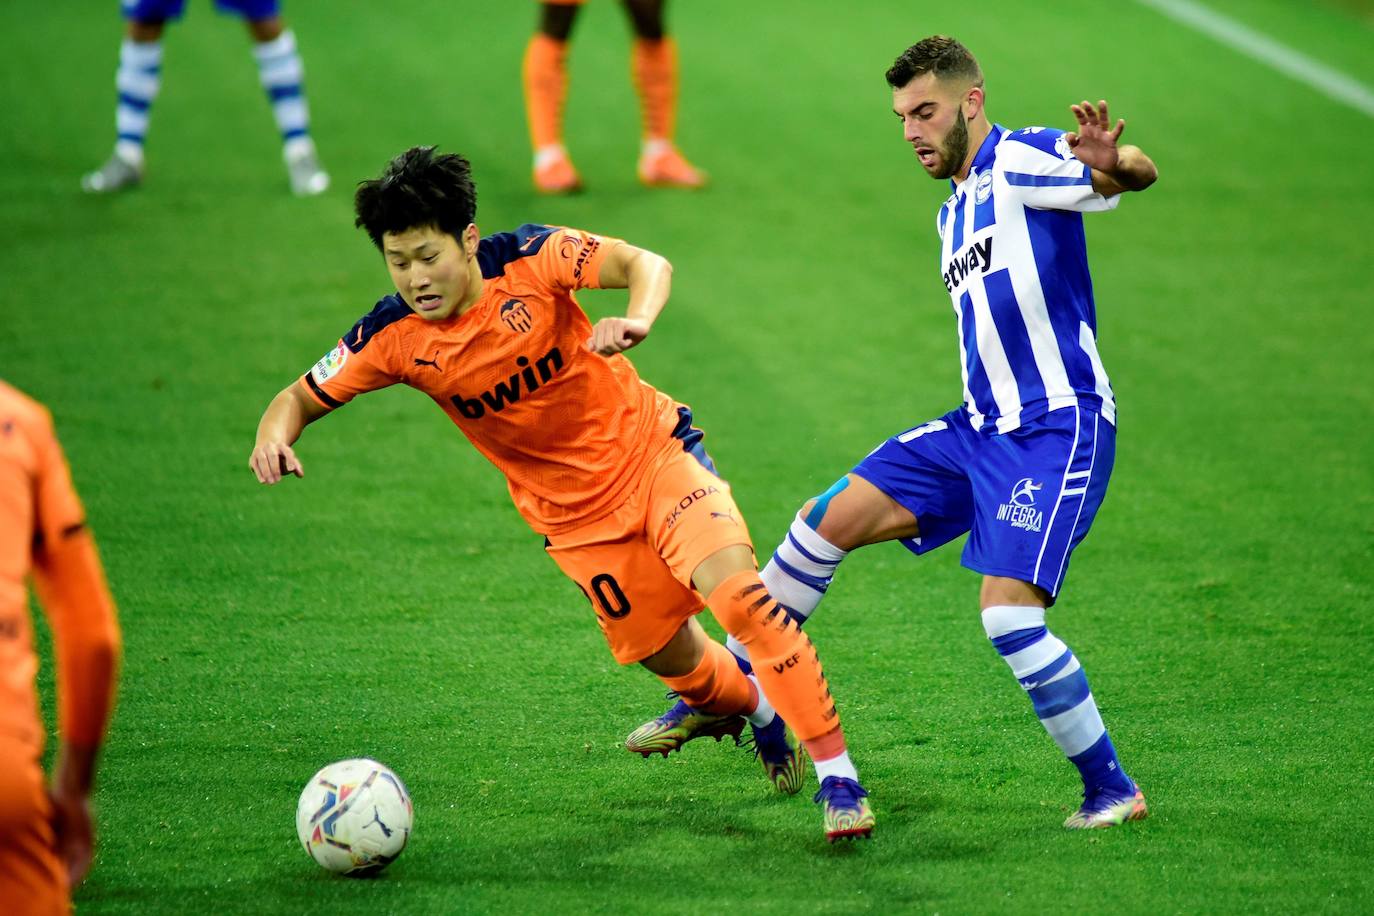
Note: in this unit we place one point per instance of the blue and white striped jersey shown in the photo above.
(1015, 262)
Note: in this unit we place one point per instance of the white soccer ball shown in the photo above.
(354, 816)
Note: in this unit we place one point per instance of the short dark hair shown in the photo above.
(418, 188)
(938, 54)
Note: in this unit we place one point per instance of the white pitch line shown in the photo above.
(1266, 50)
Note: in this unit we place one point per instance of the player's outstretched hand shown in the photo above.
(271, 461)
(613, 335)
(1094, 143)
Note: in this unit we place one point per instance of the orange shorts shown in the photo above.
(33, 880)
(635, 565)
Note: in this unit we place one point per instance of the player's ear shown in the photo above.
(470, 238)
(973, 102)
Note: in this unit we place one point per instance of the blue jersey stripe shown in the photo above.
(1015, 337)
(1061, 260)
(958, 240)
(979, 388)
(1021, 179)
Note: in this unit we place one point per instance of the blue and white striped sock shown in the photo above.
(798, 574)
(283, 76)
(137, 82)
(1050, 673)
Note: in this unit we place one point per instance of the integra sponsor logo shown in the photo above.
(525, 380)
(1020, 509)
(978, 255)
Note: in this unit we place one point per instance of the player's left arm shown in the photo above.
(649, 278)
(71, 585)
(1116, 168)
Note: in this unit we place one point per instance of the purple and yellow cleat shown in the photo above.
(847, 815)
(677, 726)
(783, 760)
(1105, 808)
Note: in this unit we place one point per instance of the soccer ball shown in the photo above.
(354, 817)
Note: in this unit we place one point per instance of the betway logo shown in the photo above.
(506, 393)
(978, 255)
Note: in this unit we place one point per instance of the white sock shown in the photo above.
(763, 714)
(836, 766)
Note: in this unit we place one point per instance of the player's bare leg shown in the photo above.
(789, 672)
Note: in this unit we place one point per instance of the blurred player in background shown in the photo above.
(1024, 463)
(653, 67)
(140, 75)
(46, 835)
(608, 469)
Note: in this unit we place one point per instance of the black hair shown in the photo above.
(938, 54)
(418, 188)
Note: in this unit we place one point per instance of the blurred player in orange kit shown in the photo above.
(653, 68)
(608, 469)
(46, 835)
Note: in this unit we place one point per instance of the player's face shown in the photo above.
(933, 122)
(435, 275)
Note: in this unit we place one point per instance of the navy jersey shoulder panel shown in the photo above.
(387, 311)
(496, 251)
(1045, 139)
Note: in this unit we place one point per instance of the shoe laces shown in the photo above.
(840, 792)
(770, 741)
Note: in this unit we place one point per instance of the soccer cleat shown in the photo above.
(1103, 808)
(847, 814)
(782, 757)
(555, 174)
(677, 726)
(308, 177)
(116, 174)
(666, 168)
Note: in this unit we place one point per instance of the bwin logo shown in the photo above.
(508, 392)
(1023, 494)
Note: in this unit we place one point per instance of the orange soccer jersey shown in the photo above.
(570, 429)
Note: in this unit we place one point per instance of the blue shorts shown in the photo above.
(160, 10)
(1028, 496)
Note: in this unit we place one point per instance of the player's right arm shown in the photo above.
(281, 425)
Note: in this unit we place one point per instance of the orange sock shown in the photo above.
(546, 89)
(716, 685)
(785, 662)
(653, 67)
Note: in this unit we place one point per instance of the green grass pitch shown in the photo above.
(393, 604)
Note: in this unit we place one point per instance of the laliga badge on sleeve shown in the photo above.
(330, 364)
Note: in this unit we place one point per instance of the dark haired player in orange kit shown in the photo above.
(46, 835)
(608, 469)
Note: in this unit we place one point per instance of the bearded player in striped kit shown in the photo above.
(1023, 464)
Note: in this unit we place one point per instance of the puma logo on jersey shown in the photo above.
(428, 362)
(976, 256)
(524, 381)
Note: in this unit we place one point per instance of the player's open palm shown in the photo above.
(1094, 143)
(614, 335)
